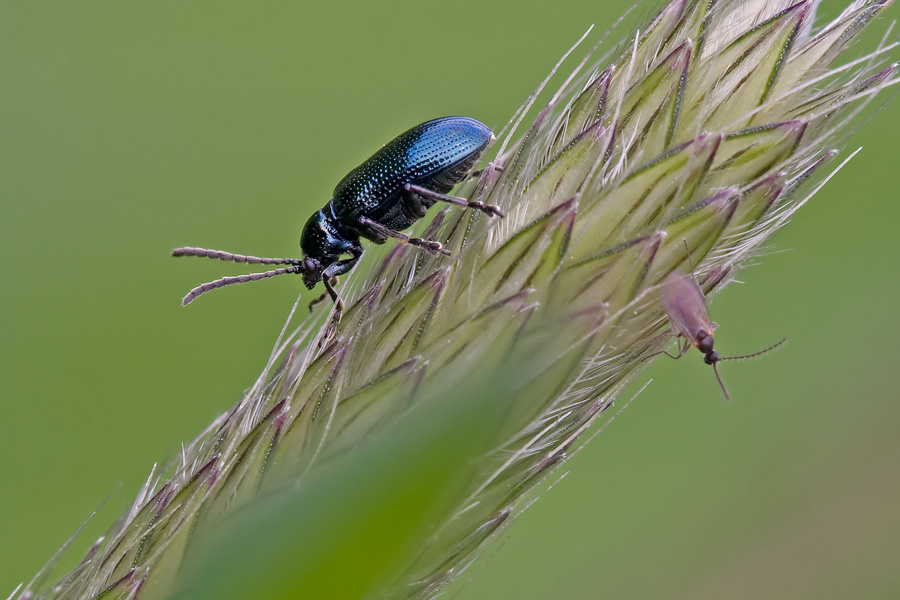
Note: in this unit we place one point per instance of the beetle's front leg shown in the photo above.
(380, 230)
(335, 297)
(488, 209)
(321, 298)
(330, 279)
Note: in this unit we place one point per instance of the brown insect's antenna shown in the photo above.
(721, 383)
(772, 347)
(212, 285)
(238, 258)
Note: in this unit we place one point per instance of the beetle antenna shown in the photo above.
(213, 285)
(238, 258)
(721, 383)
(772, 347)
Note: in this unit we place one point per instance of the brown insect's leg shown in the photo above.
(683, 346)
(488, 209)
(426, 245)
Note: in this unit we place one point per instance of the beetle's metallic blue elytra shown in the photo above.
(436, 155)
(384, 195)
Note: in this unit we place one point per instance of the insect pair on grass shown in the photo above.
(393, 189)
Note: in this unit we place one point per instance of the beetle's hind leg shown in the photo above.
(477, 173)
(488, 209)
(381, 231)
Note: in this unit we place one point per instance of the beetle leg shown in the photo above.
(477, 173)
(414, 205)
(488, 209)
(427, 245)
(330, 279)
(338, 303)
(321, 298)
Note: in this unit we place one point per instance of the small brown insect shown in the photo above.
(684, 302)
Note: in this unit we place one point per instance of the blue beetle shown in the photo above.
(384, 195)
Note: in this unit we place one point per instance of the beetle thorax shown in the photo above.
(323, 239)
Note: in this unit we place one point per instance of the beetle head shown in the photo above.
(322, 242)
(311, 271)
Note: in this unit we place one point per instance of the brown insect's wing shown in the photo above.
(683, 301)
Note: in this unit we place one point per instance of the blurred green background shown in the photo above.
(130, 128)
